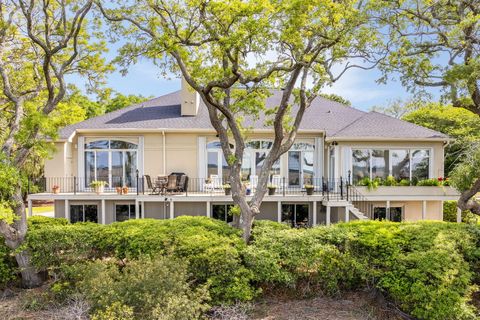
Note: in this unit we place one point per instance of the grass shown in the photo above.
(40, 210)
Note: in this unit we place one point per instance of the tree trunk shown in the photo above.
(466, 201)
(30, 277)
(14, 236)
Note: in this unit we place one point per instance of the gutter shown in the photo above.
(164, 154)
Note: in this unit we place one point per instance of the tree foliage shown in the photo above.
(234, 52)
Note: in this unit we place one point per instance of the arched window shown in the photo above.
(111, 160)
(254, 156)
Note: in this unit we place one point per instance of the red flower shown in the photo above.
(440, 179)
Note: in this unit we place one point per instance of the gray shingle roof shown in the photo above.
(374, 125)
(332, 117)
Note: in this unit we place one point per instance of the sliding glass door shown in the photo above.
(301, 164)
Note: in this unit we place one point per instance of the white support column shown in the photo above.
(142, 210)
(137, 209)
(347, 213)
(103, 212)
(459, 215)
(314, 209)
(328, 218)
(67, 210)
(172, 209)
(279, 211)
(389, 217)
(424, 210)
(209, 213)
(30, 210)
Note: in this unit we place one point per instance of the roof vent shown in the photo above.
(190, 99)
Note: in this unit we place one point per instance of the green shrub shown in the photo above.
(42, 220)
(146, 288)
(450, 213)
(8, 265)
(296, 259)
(429, 183)
(212, 248)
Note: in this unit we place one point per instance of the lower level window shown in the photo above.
(222, 212)
(83, 213)
(125, 212)
(380, 213)
(295, 215)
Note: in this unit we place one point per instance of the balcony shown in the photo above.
(191, 187)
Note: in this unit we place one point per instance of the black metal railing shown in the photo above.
(359, 201)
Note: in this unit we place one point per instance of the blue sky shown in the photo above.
(356, 85)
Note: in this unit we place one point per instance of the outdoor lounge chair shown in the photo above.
(172, 183)
(155, 189)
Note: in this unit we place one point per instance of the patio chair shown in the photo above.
(216, 182)
(172, 183)
(153, 187)
(277, 181)
(181, 186)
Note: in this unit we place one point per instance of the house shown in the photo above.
(338, 151)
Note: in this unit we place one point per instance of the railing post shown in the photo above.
(348, 187)
(283, 186)
(323, 186)
(341, 188)
(143, 184)
(137, 180)
(349, 181)
(74, 184)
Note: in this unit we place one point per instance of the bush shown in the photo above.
(425, 268)
(146, 288)
(295, 258)
(450, 213)
(212, 248)
(36, 221)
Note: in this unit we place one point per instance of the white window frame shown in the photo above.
(410, 149)
(109, 151)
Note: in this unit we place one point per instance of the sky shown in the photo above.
(356, 85)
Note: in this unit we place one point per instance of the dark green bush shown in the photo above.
(212, 248)
(146, 288)
(42, 220)
(425, 268)
(450, 213)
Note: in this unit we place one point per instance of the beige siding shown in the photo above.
(190, 209)
(59, 209)
(268, 211)
(155, 210)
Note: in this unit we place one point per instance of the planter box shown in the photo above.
(409, 191)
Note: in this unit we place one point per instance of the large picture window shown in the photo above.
(112, 161)
(83, 213)
(295, 215)
(254, 157)
(222, 212)
(408, 164)
(216, 163)
(124, 212)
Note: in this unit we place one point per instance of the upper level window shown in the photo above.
(111, 160)
(399, 163)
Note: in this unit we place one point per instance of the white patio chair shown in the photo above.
(216, 182)
(277, 181)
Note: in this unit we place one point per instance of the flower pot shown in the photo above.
(248, 192)
(125, 190)
(119, 190)
(309, 191)
(99, 189)
(56, 190)
(228, 191)
(271, 191)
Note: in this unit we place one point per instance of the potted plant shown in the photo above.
(309, 188)
(56, 189)
(125, 190)
(98, 186)
(271, 189)
(119, 190)
(227, 188)
(248, 191)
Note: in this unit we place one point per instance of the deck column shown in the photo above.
(314, 216)
(347, 214)
(137, 209)
(279, 211)
(172, 209)
(328, 218)
(209, 213)
(459, 215)
(424, 210)
(67, 210)
(389, 217)
(142, 209)
(103, 212)
(30, 209)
